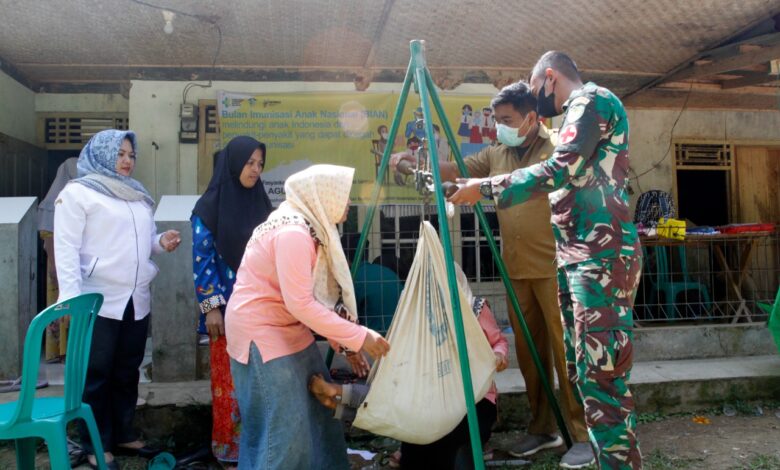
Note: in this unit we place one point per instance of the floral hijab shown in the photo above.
(97, 167)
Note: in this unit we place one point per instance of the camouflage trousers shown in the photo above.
(597, 301)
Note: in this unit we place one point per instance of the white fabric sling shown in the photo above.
(416, 393)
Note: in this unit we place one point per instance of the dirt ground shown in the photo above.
(710, 440)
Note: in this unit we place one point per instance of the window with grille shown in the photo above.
(696, 154)
(478, 262)
(400, 224)
(703, 182)
(68, 131)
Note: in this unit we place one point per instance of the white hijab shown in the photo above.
(463, 284)
(316, 197)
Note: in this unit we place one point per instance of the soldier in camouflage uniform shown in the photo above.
(598, 252)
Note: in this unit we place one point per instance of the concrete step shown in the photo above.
(670, 386)
(663, 343)
(650, 343)
(658, 386)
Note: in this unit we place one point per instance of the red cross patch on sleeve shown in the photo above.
(568, 134)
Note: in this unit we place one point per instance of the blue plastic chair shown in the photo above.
(663, 282)
(30, 418)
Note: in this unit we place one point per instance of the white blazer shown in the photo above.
(103, 244)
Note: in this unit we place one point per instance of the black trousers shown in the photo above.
(452, 451)
(112, 377)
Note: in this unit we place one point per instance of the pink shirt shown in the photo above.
(497, 341)
(273, 302)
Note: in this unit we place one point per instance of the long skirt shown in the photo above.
(225, 432)
(282, 425)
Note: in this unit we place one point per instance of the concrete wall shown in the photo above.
(651, 132)
(18, 261)
(80, 103)
(174, 306)
(17, 109)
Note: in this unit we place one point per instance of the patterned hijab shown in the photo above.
(97, 167)
(316, 197)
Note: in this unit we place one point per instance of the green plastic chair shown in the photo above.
(30, 418)
(663, 283)
(773, 322)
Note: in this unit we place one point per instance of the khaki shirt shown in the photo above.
(528, 243)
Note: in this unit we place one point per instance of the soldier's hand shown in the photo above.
(468, 194)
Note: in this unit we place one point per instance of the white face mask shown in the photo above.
(508, 135)
(383, 135)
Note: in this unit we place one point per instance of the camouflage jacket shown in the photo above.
(586, 178)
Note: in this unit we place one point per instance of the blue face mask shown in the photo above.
(508, 135)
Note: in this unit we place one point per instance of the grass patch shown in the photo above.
(760, 462)
(643, 418)
(734, 408)
(657, 460)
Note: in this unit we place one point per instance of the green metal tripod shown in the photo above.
(417, 73)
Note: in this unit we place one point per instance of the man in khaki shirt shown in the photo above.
(529, 255)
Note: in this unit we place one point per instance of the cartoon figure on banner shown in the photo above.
(487, 125)
(412, 128)
(493, 132)
(413, 144)
(475, 134)
(378, 148)
(464, 130)
(442, 144)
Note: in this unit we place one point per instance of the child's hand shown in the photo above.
(359, 364)
(501, 362)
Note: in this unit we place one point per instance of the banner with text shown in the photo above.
(347, 129)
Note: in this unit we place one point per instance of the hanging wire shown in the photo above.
(657, 164)
(204, 19)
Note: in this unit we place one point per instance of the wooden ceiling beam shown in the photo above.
(668, 99)
(13, 71)
(727, 64)
(749, 80)
(715, 49)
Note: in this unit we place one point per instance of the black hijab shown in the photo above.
(228, 209)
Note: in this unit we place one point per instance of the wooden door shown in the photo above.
(758, 178)
(758, 181)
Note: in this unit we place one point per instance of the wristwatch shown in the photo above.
(486, 189)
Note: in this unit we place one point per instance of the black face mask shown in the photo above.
(545, 105)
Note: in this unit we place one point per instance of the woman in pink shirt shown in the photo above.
(292, 280)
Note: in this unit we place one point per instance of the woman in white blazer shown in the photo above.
(104, 236)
